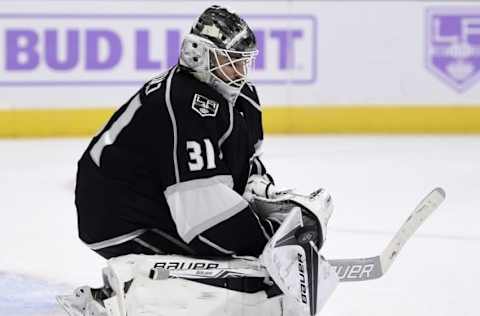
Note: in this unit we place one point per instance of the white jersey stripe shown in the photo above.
(215, 246)
(255, 104)
(147, 245)
(173, 240)
(168, 101)
(199, 183)
(258, 165)
(228, 132)
(109, 136)
(117, 240)
(267, 236)
(200, 204)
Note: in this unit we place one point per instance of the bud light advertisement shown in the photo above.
(127, 49)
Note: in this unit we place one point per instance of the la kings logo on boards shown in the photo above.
(204, 106)
(453, 47)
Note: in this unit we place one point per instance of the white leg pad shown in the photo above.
(177, 297)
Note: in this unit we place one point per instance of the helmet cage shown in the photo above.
(240, 62)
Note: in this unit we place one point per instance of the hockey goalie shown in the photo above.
(173, 193)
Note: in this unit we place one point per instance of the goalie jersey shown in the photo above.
(166, 173)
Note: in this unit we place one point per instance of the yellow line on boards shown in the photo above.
(285, 120)
(373, 119)
(52, 122)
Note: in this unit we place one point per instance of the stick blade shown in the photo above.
(423, 210)
(361, 269)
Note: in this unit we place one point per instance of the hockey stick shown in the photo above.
(372, 268)
(348, 270)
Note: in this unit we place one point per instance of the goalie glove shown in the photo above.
(316, 207)
(261, 186)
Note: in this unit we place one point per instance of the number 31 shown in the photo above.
(196, 161)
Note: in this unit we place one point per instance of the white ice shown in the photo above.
(375, 181)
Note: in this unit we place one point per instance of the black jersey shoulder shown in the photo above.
(196, 105)
(187, 97)
(186, 89)
(249, 94)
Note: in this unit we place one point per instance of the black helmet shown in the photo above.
(225, 29)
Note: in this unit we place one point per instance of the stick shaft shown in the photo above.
(348, 270)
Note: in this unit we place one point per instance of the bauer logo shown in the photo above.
(127, 49)
(355, 271)
(302, 278)
(453, 45)
(186, 265)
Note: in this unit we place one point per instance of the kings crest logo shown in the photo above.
(204, 106)
(453, 45)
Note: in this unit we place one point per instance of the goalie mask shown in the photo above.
(219, 50)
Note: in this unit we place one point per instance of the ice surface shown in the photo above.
(27, 296)
(375, 181)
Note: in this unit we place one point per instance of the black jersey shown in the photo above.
(177, 156)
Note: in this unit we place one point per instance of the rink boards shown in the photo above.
(323, 66)
(321, 119)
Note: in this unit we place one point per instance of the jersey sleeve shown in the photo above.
(251, 104)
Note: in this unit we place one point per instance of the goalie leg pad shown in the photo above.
(136, 291)
(297, 268)
(178, 297)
